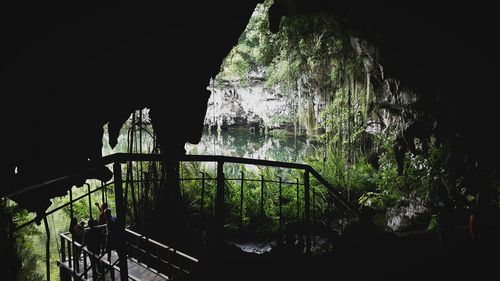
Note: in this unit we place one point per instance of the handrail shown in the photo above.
(170, 249)
(83, 249)
(124, 157)
(62, 206)
(337, 195)
(162, 245)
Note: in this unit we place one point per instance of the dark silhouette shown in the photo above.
(94, 240)
(102, 215)
(77, 231)
(113, 232)
(72, 223)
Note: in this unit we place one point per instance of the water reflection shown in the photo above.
(284, 148)
(237, 143)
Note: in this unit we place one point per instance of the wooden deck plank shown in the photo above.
(136, 270)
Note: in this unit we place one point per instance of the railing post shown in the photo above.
(298, 199)
(85, 264)
(137, 247)
(103, 188)
(106, 194)
(71, 202)
(112, 273)
(90, 201)
(96, 264)
(76, 257)
(313, 211)
(241, 197)
(261, 199)
(169, 263)
(202, 192)
(219, 202)
(63, 249)
(64, 275)
(70, 253)
(280, 199)
(71, 250)
(307, 211)
(47, 247)
(157, 257)
(120, 220)
(212, 204)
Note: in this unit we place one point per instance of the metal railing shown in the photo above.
(70, 262)
(221, 181)
(163, 259)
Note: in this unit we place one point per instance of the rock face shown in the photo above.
(400, 218)
(254, 106)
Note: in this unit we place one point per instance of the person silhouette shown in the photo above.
(94, 240)
(77, 229)
(102, 215)
(113, 231)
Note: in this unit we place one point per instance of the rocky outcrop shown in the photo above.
(234, 105)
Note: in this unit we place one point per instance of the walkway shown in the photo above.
(147, 260)
(136, 271)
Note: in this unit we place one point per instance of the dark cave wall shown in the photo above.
(70, 68)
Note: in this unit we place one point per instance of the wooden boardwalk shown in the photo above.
(158, 262)
(136, 271)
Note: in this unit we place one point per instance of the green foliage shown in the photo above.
(252, 49)
(433, 223)
(388, 181)
(308, 60)
(81, 208)
(283, 73)
(22, 260)
(254, 219)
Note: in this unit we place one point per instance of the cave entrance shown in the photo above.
(263, 103)
(311, 94)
